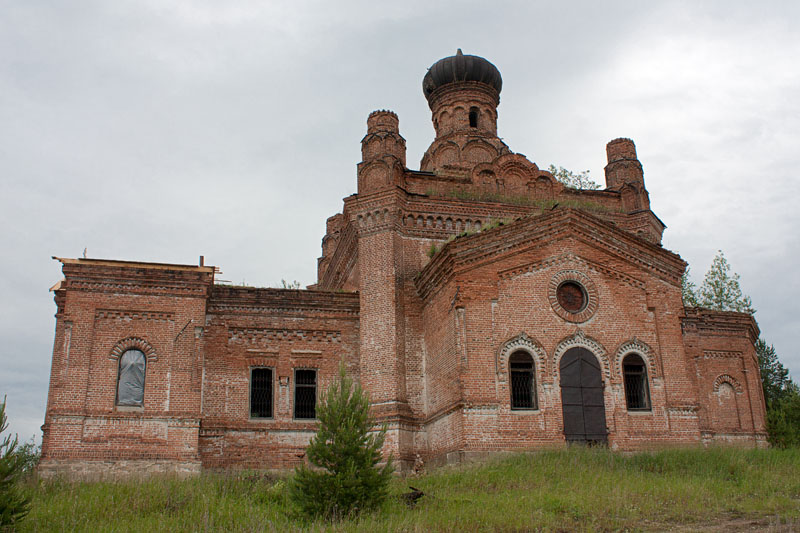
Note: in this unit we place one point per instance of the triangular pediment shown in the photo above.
(569, 260)
(525, 234)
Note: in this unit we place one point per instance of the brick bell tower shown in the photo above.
(463, 92)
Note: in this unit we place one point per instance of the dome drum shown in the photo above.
(458, 69)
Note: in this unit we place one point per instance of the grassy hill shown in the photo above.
(565, 490)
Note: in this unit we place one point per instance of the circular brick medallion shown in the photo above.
(573, 296)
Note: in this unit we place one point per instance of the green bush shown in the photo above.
(29, 454)
(14, 504)
(783, 419)
(348, 479)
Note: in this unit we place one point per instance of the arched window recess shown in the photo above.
(130, 378)
(637, 389)
(523, 381)
(473, 117)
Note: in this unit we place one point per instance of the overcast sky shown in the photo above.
(162, 130)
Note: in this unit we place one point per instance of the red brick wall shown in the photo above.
(104, 308)
(284, 330)
(727, 378)
(428, 337)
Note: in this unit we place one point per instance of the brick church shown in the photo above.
(482, 304)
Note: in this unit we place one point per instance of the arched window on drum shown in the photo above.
(523, 381)
(130, 379)
(637, 390)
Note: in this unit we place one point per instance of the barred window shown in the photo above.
(261, 393)
(130, 379)
(637, 392)
(305, 393)
(523, 382)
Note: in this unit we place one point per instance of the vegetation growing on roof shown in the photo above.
(574, 180)
(526, 201)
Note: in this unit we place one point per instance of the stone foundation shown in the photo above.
(114, 470)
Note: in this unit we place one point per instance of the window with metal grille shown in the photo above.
(305, 394)
(130, 379)
(637, 392)
(523, 383)
(261, 393)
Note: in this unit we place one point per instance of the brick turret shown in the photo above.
(624, 173)
(623, 165)
(383, 152)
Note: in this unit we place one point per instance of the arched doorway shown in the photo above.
(582, 397)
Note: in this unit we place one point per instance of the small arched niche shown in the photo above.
(473, 117)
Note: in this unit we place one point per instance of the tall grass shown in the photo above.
(574, 490)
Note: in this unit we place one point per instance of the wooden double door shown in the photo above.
(582, 398)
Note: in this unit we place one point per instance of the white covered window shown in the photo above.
(130, 382)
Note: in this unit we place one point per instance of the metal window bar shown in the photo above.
(522, 390)
(261, 393)
(522, 382)
(305, 394)
(637, 394)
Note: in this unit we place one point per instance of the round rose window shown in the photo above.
(571, 296)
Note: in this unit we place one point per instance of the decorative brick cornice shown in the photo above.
(719, 323)
(100, 275)
(263, 335)
(132, 314)
(472, 251)
(683, 410)
(232, 299)
(573, 261)
(722, 354)
(376, 220)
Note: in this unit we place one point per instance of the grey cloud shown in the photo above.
(165, 130)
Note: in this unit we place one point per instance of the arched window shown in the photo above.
(523, 381)
(130, 382)
(473, 117)
(637, 392)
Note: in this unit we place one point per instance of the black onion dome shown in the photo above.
(461, 68)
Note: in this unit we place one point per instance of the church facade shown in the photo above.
(482, 304)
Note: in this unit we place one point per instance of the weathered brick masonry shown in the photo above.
(482, 304)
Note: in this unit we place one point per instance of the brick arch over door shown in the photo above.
(581, 340)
